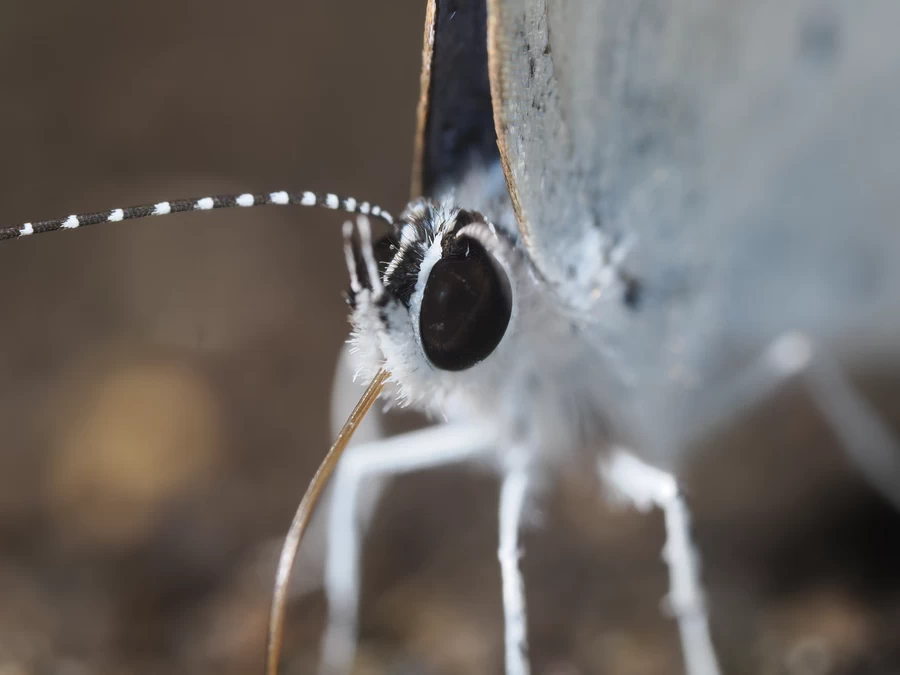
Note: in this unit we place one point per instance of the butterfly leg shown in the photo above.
(865, 438)
(427, 448)
(310, 565)
(513, 494)
(646, 486)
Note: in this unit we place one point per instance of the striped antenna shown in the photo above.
(326, 200)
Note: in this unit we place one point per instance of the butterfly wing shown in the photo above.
(455, 127)
(746, 151)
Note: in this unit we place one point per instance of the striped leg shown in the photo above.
(428, 448)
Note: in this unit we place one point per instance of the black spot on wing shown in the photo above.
(818, 41)
(459, 130)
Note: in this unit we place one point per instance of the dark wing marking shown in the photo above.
(455, 129)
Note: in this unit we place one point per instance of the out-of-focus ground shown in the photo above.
(164, 389)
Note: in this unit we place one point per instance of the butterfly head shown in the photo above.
(434, 301)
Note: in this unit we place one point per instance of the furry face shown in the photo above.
(467, 328)
(443, 308)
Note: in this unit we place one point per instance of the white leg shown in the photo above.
(512, 502)
(345, 393)
(867, 441)
(865, 438)
(785, 357)
(310, 565)
(646, 486)
(428, 448)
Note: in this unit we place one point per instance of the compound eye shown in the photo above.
(466, 306)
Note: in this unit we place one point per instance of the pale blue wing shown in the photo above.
(750, 152)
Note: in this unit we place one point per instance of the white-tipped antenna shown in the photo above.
(327, 200)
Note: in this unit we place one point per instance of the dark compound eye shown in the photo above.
(466, 306)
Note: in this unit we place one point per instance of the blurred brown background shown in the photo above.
(164, 388)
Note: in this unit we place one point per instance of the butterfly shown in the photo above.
(640, 220)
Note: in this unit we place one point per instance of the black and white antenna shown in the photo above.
(327, 200)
